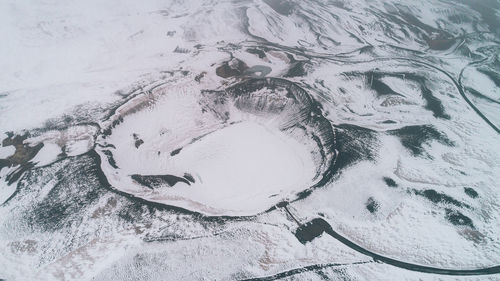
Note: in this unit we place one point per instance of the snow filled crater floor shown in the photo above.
(238, 170)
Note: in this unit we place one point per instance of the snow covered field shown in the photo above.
(249, 140)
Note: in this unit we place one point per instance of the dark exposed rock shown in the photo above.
(436, 197)
(390, 182)
(175, 151)
(23, 153)
(189, 177)
(440, 41)
(198, 77)
(137, 141)
(433, 104)
(181, 50)
(257, 52)
(155, 181)
(111, 160)
(297, 70)
(354, 144)
(381, 88)
(470, 192)
(389, 122)
(414, 137)
(374, 81)
(234, 67)
(77, 188)
(457, 218)
(372, 205)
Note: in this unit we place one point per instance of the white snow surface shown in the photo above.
(69, 69)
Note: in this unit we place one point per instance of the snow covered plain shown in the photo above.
(234, 140)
